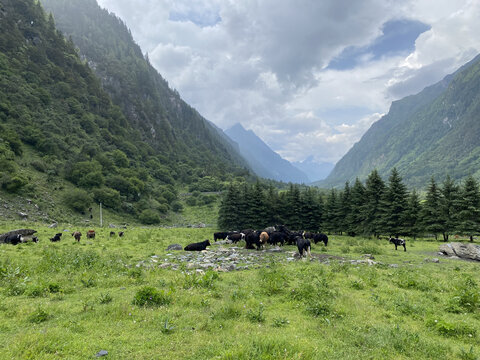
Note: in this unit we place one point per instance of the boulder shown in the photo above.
(461, 250)
(174, 247)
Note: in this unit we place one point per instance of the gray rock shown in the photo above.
(101, 353)
(53, 226)
(174, 247)
(462, 250)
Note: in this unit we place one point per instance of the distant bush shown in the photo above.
(77, 199)
(191, 201)
(177, 206)
(108, 197)
(149, 217)
(14, 183)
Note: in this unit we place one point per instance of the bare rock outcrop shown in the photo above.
(461, 250)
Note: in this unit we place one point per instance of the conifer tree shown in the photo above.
(258, 207)
(345, 209)
(431, 210)
(412, 220)
(228, 218)
(448, 205)
(469, 208)
(272, 207)
(355, 218)
(331, 222)
(311, 210)
(394, 205)
(374, 189)
(294, 205)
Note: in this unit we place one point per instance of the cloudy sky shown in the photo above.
(308, 76)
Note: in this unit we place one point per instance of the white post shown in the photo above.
(101, 217)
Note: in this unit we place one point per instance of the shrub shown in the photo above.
(191, 201)
(177, 206)
(77, 199)
(14, 184)
(108, 197)
(149, 217)
(150, 297)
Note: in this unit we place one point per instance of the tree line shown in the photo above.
(372, 208)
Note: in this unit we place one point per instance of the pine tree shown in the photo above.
(345, 209)
(311, 210)
(394, 205)
(332, 212)
(431, 210)
(228, 218)
(412, 219)
(259, 207)
(356, 217)
(469, 208)
(448, 205)
(273, 204)
(374, 189)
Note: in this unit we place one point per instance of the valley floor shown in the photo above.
(134, 299)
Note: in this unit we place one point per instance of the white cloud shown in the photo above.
(263, 62)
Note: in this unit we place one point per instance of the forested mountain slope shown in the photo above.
(434, 132)
(61, 137)
(164, 120)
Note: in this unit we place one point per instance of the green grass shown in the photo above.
(71, 300)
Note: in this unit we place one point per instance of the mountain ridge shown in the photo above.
(262, 159)
(423, 135)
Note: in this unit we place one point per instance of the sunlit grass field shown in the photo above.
(70, 300)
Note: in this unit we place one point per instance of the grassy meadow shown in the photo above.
(70, 300)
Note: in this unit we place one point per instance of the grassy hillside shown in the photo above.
(71, 300)
(431, 133)
(67, 146)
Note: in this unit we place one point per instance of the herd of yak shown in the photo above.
(274, 235)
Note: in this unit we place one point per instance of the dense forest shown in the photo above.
(57, 121)
(434, 132)
(372, 208)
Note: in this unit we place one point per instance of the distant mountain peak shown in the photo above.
(263, 160)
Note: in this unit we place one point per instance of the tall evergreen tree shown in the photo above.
(448, 206)
(356, 216)
(258, 207)
(311, 212)
(374, 189)
(412, 223)
(332, 212)
(469, 208)
(273, 204)
(431, 210)
(345, 209)
(228, 216)
(394, 205)
(294, 220)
